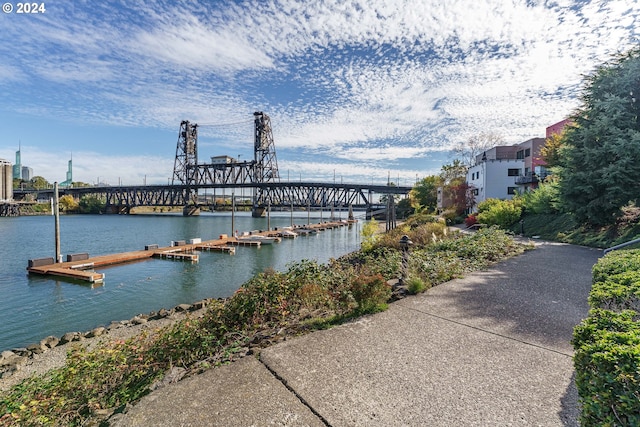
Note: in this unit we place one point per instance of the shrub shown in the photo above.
(607, 344)
(543, 200)
(503, 213)
(617, 292)
(470, 220)
(416, 285)
(607, 361)
(371, 293)
(616, 262)
(369, 234)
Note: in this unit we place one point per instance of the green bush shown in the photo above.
(371, 293)
(369, 234)
(607, 361)
(616, 262)
(503, 213)
(415, 285)
(607, 344)
(543, 200)
(617, 292)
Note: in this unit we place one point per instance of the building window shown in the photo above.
(475, 192)
(512, 190)
(527, 152)
(513, 172)
(520, 155)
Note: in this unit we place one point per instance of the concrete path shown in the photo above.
(492, 349)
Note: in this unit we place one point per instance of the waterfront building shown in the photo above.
(6, 180)
(503, 171)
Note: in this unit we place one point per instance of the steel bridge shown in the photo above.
(260, 176)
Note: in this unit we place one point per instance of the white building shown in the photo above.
(494, 179)
(502, 171)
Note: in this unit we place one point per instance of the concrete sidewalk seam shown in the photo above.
(485, 330)
(295, 393)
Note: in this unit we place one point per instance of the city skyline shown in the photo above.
(361, 90)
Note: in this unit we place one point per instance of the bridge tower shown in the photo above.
(264, 150)
(186, 155)
(264, 161)
(185, 165)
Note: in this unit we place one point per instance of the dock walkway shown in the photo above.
(84, 269)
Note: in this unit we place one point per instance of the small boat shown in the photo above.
(288, 234)
(306, 231)
(262, 239)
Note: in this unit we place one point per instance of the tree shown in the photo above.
(424, 195)
(456, 172)
(600, 164)
(460, 196)
(454, 179)
(39, 183)
(550, 151)
(468, 150)
(91, 204)
(68, 203)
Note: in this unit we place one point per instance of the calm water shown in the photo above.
(33, 307)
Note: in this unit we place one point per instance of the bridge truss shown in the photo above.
(260, 174)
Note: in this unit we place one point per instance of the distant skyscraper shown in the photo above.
(69, 179)
(17, 167)
(27, 173)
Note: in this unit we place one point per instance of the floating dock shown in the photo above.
(80, 266)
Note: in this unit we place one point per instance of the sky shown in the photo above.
(357, 90)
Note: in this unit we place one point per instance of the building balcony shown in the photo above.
(529, 178)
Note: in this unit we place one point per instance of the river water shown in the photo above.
(33, 307)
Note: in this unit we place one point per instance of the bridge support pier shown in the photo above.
(258, 211)
(191, 210)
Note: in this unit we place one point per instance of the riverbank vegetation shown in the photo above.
(270, 306)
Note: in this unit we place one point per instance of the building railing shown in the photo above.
(530, 178)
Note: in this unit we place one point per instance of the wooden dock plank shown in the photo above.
(78, 270)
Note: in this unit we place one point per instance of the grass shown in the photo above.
(272, 305)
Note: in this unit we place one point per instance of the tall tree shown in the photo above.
(468, 150)
(454, 173)
(600, 164)
(424, 195)
(454, 177)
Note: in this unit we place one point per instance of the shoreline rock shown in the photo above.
(20, 363)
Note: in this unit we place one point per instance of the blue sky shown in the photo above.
(365, 88)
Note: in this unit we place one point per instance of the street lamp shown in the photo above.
(405, 242)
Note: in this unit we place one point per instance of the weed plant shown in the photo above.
(306, 296)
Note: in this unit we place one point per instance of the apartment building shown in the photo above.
(502, 171)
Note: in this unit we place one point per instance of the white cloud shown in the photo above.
(367, 81)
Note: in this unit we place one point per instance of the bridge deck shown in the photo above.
(79, 270)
